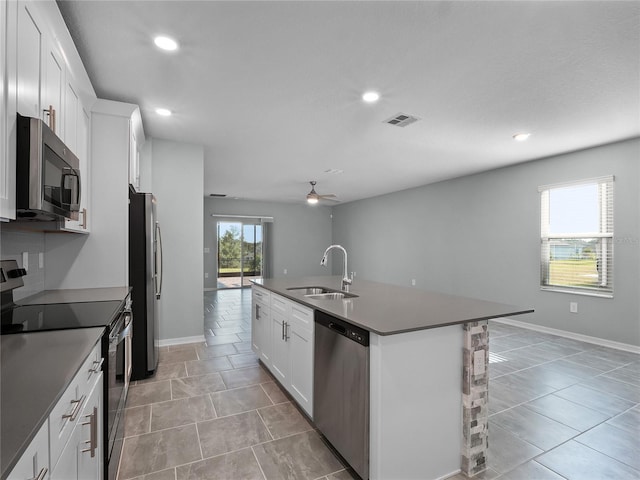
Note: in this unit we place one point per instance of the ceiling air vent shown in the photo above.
(401, 120)
(218, 195)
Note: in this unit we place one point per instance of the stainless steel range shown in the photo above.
(114, 315)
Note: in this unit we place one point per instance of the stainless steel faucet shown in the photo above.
(346, 279)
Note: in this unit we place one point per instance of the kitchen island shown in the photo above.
(428, 362)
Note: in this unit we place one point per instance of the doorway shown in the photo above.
(240, 253)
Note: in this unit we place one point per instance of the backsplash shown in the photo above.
(12, 244)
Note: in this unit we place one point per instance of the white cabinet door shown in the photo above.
(71, 107)
(301, 356)
(53, 89)
(30, 47)
(90, 445)
(260, 331)
(67, 466)
(280, 348)
(134, 159)
(8, 87)
(80, 124)
(34, 462)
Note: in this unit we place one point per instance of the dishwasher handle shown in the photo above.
(338, 328)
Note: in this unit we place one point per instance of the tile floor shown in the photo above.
(559, 408)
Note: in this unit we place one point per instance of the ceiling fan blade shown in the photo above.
(328, 195)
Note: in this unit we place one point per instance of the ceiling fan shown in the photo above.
(313, 197)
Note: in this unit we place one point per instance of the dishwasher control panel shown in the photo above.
(346, 329)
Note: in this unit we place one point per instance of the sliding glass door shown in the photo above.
(239, 253)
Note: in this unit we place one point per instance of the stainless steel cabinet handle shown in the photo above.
(52, 117)
(283, 323)
(84, 219)
(93, 433)
(286, 331)
(96, 366)
(76, 409)
(42, 474)
(257, 312)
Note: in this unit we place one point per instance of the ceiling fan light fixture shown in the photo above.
(311, 200)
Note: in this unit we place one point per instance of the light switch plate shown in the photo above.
(25, 260)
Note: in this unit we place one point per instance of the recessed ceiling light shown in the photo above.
(370, 97)
(166, 43)
(521, 137)
(163, 112)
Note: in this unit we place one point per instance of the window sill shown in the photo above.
(577, 292)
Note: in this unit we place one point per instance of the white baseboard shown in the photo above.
(575, 336)
(181, 340)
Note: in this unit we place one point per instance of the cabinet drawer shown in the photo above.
(65, 414)
(260, 295)
(280, 304)
(302, 317)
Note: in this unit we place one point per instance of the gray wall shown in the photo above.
(299, 235)
(478, 236)
(13, 242)
(177, 185)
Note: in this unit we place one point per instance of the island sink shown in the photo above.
(323, 293)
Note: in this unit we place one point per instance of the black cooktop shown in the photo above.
(58, 316)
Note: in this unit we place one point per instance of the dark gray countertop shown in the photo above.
(76, 295)
(35, 370)
(389, 309)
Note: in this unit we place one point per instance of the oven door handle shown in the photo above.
(124, 333)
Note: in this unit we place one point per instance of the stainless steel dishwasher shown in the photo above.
(341, 389)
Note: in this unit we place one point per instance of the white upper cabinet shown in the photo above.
(53, 90)
(136, 140)
(8, 73)
(30, 47)
(42, 77)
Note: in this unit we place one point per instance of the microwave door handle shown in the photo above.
(79, 196)
(74, 207)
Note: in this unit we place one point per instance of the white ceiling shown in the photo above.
(272, 89)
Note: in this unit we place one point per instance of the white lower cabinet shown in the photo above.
(279, 347)
(76, 426)
(301, 356)
(261, 324)
(34, 463)
(289, 343)
(69, 445)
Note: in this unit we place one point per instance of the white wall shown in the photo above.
(178, 188)
(479, 236)
(299, 235)
(100, 259)
(13, 242)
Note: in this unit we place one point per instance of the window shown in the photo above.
(577, 237)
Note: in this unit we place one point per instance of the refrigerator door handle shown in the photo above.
(158, 273)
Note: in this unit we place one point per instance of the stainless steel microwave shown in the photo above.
(47, 174)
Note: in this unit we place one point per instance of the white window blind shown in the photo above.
(576, 234)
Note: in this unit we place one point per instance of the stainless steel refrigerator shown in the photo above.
(145, 277)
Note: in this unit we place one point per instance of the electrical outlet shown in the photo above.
(206, 250)
(285, 271)
(206, 274)
(573, 307)
(413, 282)
(25, 260)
